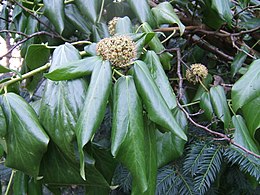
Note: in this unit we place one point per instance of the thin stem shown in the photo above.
(81, 42)
(202, 84)
(190, 104)
(119, 73)
(170, 36)
(25, 76)
(101, 11)
(10, 182)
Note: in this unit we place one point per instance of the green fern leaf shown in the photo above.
(247, 163)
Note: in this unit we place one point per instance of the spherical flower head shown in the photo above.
(196, 72)
(112, 25)
(119, 50)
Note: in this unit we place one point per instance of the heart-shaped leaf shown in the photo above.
(89, 8)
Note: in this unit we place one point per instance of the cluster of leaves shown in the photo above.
(101, 126)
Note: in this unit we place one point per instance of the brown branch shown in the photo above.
(12, 31)
(176, 28)
(26, 39)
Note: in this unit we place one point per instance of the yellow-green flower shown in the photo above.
(119, 50)
(112, 25)
(196, 72)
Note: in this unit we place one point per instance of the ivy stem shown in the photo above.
(10, 182)
(119, 73)
(25, 76)
(101, 10)
(190, 104)
(202, 84)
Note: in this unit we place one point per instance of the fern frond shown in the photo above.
(123, 178)
(170, 181)
(247, 163)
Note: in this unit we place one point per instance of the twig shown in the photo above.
(26, 39)
(244, 9)
(169, 29)
(10, 182)
(12, 31)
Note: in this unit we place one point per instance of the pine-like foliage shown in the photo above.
(171, 181)
(203, 163)
(123, 178)
(247, 163)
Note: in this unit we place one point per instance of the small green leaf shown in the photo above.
(89, 8)
(206, 106)
(4, 17)
(3, 69)
(242, 135)
(124, 26)
(94, 108)
(142, 11)
(160, 78)
(165, 14)
(54, 11)
(207, 81)
(74, 69)
(169, 146)
(128, 131)
(157, 109)
(247, 87)
(62, 102)
(251, 113)
(36, 56)
(91, 49)
(25, 139)
(219, 104)
(238, 61)
(156, 45)
(3, 129)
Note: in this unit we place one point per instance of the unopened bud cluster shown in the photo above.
(112, 25)
(196, 72)
(119, 50)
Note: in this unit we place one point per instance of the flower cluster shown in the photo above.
(112, 25)
(119, 50)
(196, 72)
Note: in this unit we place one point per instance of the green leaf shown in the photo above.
(142, 11)
(35, 187)
(75, 17)
(251, 113)
(74, 69)
(25, 139)
(207, 81)
(219, 104)
(36, 56)
(89, 8)
(94, 108)
(247, 87)
(238, 61)
(3, 129)
(157, 109)
(127, 137)
(124, 26)
(160, 78)
(242, 135)
(4, 69)
(156, 45)
(169, 146)
(4, 17)
(58, 169)
(20, 185)
(54, 11)
(206, 106)
(62, 102)
(165, 14)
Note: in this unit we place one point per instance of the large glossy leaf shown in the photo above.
(89, 8)
(156, 45)
(157, 109)
(58, 169)
(247, 88)
(25, 139)
(200, 90)
(206, 106)
(54, 10)
(242, 135)
(94, 108)
(36, 56)
(128, 131)
(3, 125)
(20, 185)
(251, 113)
(219, 103)
(165, 14)
(75, 17)
(160, 78)
(62, 102)
(142, 11)
(74, 69)
(169, 146)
